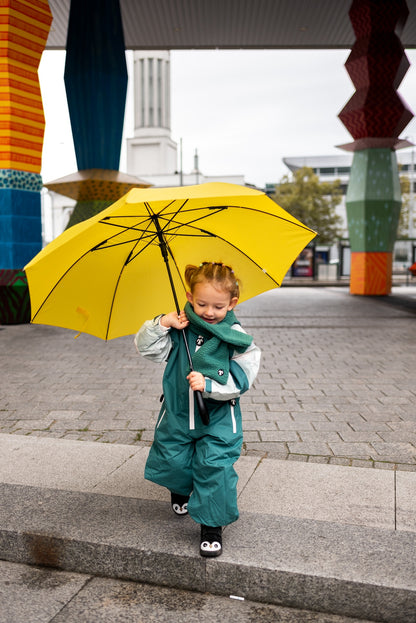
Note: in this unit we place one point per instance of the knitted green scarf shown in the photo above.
(212, 359)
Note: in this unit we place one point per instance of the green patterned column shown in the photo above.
(373, 209)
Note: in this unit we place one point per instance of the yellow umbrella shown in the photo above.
(108, 274)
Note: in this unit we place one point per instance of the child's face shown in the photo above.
(211, 303)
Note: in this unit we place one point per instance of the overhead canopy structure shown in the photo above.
(231, 24)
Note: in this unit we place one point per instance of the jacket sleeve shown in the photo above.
(244, 368)
(153, 340)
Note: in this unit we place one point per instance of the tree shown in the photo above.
(312, 202)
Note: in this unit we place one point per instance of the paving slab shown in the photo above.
(29, 594)
(324, 492)
(59, 463)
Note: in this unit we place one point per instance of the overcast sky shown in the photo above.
(242, 110)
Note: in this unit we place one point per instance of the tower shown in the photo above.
(151, 151)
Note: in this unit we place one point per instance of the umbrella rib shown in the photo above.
(132, 257)
(127, 261)
(101, 247)
(216, 209)
(114, 298)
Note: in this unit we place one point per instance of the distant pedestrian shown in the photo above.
(195, 460)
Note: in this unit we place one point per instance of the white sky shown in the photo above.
(242, 110)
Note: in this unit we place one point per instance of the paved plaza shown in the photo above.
(317, 534)
(337, 381)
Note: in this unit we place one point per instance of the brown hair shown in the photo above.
(216, 272)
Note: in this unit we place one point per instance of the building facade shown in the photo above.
(338, 167)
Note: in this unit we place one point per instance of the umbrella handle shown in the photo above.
(202, 408)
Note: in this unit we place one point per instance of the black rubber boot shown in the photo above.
(211, 541)
(179, 503)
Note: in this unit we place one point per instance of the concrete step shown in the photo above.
(357, 571)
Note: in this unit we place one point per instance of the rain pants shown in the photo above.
(188, 457)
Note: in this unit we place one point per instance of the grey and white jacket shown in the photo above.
(154, 342)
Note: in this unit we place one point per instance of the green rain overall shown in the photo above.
(188, 457)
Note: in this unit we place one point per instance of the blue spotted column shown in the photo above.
(96, 87)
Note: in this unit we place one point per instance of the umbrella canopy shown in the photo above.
(95, 184)
(108, 274)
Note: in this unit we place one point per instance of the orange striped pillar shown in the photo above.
(24, 29)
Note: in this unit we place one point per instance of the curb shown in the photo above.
(340, 569)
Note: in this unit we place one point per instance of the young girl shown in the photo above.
(192, 459)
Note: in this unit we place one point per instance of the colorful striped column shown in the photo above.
(24, 28)
(375, 116)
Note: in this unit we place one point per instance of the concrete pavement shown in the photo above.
(336, 393)
(41, 595)
(337, 382)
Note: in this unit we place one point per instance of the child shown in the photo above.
(193, 460)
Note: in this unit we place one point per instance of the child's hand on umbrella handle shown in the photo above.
(196, 381)
(175, 320)
(197, 384)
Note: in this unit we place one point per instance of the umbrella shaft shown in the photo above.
(203, 412)
(165, 254)
(164, 250)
